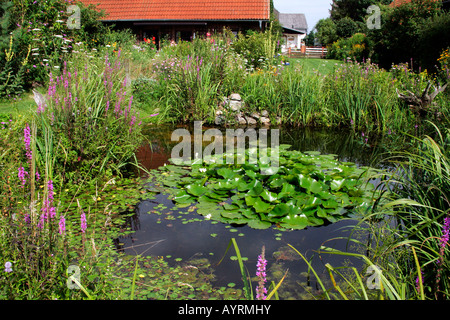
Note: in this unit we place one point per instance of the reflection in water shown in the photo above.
(180, 233)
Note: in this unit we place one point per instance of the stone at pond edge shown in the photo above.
(219, 120)
(235, 96)
(264, 120)
(241, 120)
(250, 121)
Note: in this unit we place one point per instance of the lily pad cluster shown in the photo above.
(306, 189)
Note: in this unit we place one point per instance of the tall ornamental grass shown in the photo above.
(425, 178)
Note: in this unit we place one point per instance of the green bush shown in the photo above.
(41, 28)
(258, 48)
(357, 47)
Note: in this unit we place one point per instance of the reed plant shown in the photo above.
(362, 96)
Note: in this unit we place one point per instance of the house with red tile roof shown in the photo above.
(183, 19)
(397, 3)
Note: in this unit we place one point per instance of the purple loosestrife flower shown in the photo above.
(83, 222)
(21, 175)
(443, 241)
(261, 291)
(445, 233)
(27, 140)
(417, 281)
(62, 225)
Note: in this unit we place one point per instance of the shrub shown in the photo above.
(356, 47)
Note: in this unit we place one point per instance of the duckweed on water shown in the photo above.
(308, 189)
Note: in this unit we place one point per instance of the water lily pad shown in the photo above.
(259, 224)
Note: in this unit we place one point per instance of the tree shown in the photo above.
(399, 39)
(326, 31)
(310, 38)
(354, 9)
(346, 27)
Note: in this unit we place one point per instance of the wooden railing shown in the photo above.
(308, 52)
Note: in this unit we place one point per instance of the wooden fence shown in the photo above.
(308, 52)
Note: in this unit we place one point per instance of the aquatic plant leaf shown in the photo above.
(256, 188)
(183, 197)
(261, 206)
(287, 191)
(259, 224)
(196, 190)
(268, 196)
(337, 184)
(295, 221)
(226, 173)
(310, 184)
(279, 211)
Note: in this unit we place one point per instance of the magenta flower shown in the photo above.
(62, 225)
(83, 222)
(445, 233)
(261, 291)
(27, 140)
(21, 175)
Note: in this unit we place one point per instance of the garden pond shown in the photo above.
(184, 228)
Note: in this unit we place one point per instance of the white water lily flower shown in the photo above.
(208, 216)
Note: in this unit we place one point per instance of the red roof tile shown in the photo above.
(183, 9)
(397, 3)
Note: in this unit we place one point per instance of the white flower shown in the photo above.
(208, 216)
(8, 266)
(202, 169)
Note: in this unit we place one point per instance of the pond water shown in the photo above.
(181, 235)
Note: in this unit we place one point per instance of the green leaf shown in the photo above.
(261, 206)
(268, 196)
(279, 211)
(196, 190)
(258, 224)
(255, 188)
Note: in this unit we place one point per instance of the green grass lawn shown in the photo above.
(18, 106)
(323, 66)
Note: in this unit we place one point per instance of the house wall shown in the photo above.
(185, 30)
(293, 41)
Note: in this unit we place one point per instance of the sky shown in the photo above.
(314, 10)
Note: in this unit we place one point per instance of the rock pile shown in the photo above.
(231, 111)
